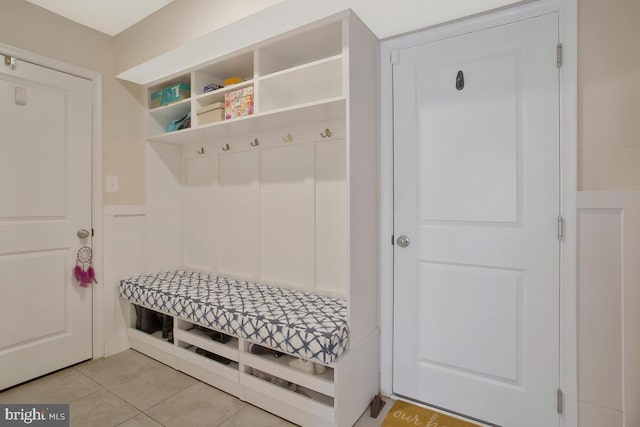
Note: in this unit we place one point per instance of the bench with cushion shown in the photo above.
(299, 323)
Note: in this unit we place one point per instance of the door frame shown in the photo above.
(568, 77)
(96, 178)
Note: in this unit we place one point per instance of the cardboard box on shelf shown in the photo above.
(211, 113)
(212, 86)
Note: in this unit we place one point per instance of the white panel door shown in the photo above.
(476, 310)
(45, 198)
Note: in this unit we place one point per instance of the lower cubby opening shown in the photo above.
(154, 323)
(289, 386)
(280, 366)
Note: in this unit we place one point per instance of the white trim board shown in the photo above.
(567, 10)
(609, 309)
(125, 231)
(96, 176)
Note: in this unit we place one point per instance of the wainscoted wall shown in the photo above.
(125, 255)
(608, 299)
(609, 308)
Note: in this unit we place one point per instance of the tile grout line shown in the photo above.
(109, 388)
(167, 398)
(154, 419)
(234, 414)
(87, 376)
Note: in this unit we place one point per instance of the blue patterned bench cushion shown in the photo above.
(295, 322)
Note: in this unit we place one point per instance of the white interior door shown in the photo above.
(45, 198)
(476, 306)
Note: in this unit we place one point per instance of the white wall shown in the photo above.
(609, 94)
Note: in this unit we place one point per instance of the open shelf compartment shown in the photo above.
(302, 398)
(218, 71)
(303, 84)
(279, 367)
(159, 118)
(312, 45)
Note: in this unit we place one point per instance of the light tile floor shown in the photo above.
(130, 389)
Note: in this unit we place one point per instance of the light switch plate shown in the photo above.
(111, 183)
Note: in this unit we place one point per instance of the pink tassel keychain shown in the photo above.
(83, 271)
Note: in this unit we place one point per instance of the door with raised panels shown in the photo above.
(45, 199)
(476, 286)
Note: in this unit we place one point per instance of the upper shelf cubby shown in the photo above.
(306, 83)
(310, 46)
(236, 66)
(156, 102)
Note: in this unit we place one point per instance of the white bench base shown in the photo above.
(336, 398)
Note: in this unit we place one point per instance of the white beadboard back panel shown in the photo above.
(609, 308)
(125, 255)
(200, 218)
(600, 306)
(274, 212)
(163, 206)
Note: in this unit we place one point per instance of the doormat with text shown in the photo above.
(404, 414)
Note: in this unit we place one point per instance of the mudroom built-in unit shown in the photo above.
(279, 203)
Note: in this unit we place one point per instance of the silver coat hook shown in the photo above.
(254, 143)
(226, 147)
(10, 62)
(200, 151)
(287, 138)
(326, 133)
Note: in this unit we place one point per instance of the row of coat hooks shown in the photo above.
(287, 138)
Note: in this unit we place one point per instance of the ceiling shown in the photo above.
(107, 16)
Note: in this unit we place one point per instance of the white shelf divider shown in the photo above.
(200, 339)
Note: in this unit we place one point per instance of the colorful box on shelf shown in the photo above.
(238, 103)
(232, 81)
(155, 99)
(175, 92)
(211, 87)
(211, 113)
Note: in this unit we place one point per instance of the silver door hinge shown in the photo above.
(560, 228)
(559, 55)
(395, 57)
(560, 402)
